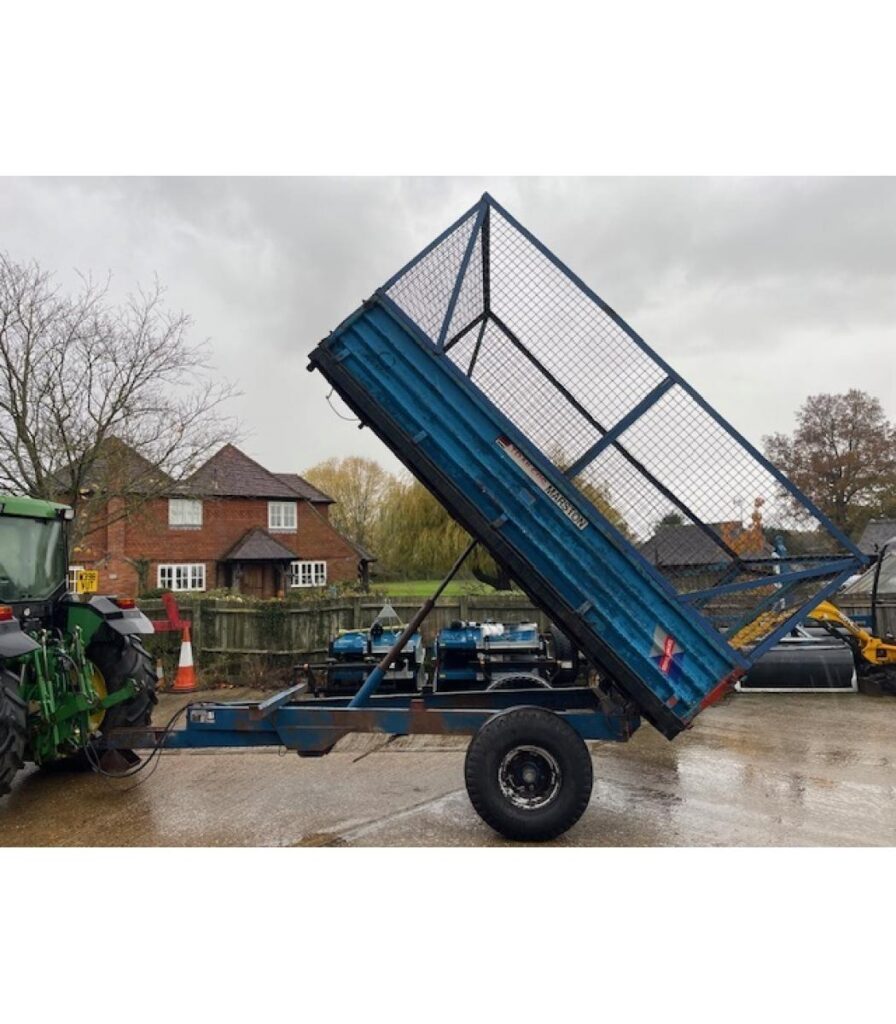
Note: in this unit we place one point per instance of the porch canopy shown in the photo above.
(250, 556)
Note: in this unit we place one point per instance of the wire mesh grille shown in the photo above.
(424, 291)
(528, 397)
(679, 485)
(565, 330)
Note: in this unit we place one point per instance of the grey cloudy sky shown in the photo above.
(760, 291)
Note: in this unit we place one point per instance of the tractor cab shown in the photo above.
(70, 670)
(33, 557)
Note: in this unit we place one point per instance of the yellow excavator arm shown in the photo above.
(870, 647)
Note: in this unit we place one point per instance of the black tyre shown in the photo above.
(879, 682)
(13, 729)
(118, 661)
(528, 774)
(567, 658)
(520, 682)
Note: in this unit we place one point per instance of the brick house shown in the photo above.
(231, 524)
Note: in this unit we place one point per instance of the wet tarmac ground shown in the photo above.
(756, 770)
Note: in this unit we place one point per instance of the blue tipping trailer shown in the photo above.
(584, 463)
(633, 514)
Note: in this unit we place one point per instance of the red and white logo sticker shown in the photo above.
(665, 650)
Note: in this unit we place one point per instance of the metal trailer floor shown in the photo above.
(755, 770)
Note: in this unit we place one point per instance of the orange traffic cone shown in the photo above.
(185, 680)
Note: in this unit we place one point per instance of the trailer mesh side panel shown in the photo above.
(626, 431)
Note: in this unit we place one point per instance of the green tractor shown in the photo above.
(70, 669)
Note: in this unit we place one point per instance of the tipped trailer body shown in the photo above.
(563, 443)
(626, 508)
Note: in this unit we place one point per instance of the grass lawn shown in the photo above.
(423, 588)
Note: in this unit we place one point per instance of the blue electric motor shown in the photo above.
(497, 655)
(353, 654)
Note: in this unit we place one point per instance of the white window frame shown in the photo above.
(184, 513)
(72, 577)
(308, 573)
(181, 576)
(283, 516)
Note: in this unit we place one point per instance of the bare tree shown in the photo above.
(359, 487)
(100, 400)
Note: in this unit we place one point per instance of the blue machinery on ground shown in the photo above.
(560, 441)
(465, 656)
(354, 652)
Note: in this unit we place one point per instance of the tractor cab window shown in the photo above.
(32, 558)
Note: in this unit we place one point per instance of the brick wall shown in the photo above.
(145, 535)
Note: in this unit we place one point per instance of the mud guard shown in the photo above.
(13, 642)
(125, 621)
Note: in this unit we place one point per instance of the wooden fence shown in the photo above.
(886, 610)
(245, 639)
(299, 630)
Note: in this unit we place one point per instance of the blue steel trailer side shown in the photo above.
(482, 445)
(573, 568)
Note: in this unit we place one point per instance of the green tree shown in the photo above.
(418, 538)
(671, 519)
(842, 455)
(359, 486)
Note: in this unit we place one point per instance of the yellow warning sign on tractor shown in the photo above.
(87, 581)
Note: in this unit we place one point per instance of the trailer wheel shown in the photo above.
(528, 774)
(13, 729)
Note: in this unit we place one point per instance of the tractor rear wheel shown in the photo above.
(117, 662)
(13, 729)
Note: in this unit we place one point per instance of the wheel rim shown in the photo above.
(529, 777)
(98, 682)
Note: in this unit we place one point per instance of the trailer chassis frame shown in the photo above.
(313, 726)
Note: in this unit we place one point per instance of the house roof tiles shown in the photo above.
(687, 544)
(305, 490)
(230, 473)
